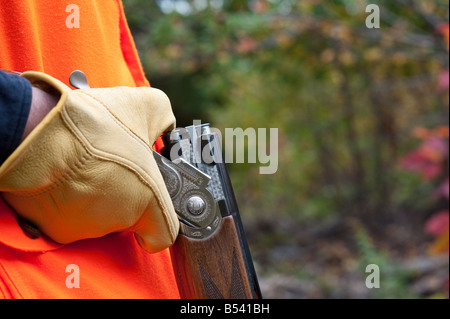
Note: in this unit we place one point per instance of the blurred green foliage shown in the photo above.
(344, 97)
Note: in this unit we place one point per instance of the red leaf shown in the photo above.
(418, 161)
(438, 223)
(428, 158)
(436, 147)
(443, 80)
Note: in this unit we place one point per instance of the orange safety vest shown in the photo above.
(57, 37)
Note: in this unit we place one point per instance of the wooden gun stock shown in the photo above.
(212, 268)
(202, 275)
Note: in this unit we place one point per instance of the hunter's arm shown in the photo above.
(15, 103)
(41, 103)
(22, 107)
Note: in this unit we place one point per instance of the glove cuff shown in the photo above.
(48, 84)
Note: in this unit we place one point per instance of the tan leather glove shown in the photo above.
(88, 170)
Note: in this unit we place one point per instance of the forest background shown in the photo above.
(363, 121)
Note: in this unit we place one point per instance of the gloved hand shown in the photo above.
(88, 170)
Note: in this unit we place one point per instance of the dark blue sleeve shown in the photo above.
(15, 103)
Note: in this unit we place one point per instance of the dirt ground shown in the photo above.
(328, 260)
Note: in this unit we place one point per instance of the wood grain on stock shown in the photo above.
(212, 268)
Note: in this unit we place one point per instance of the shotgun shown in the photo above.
(211, 257)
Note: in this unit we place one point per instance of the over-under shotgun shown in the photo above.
(211, 256)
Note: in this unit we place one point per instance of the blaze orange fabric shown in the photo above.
(36, 35)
